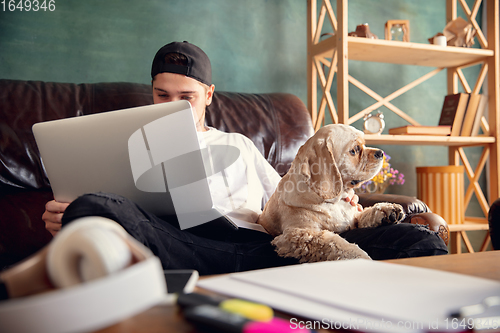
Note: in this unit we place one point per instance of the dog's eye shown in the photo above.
(355, 150)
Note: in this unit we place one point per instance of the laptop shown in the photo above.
(150, 154)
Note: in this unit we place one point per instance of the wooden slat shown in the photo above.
(475, 219)
(467, 227)
(455, 243)
(312, 78)
(451, 10)
(428, 140)
(467, 243)
(331, 14)
(480, 79)
(468, 167)
(319, 27)
(326, 84)
(463, 81)
(486, 242)
(474, 186)
(342, 63)
(325, 61)
(484, 125)
(493, 33)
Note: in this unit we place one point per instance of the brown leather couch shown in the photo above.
(277, 123)
(494, 224)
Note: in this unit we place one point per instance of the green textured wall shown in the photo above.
(255, 46)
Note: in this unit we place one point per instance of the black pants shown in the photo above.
(182, 250)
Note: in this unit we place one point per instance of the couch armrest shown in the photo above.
(416, 211)
(411, 205)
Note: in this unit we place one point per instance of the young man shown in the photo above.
(183, 71)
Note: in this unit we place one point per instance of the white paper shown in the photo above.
(380, 297)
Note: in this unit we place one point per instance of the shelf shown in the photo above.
(403, 53)
(468, 227)
(428, 140)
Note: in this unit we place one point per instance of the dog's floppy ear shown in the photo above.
(321, 171)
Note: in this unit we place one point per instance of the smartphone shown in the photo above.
(181, 280)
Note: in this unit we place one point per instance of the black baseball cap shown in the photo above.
(198, 66)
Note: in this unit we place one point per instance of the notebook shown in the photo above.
(151, 155)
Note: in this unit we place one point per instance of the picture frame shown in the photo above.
(405, 27)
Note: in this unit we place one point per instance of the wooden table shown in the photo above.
(167, 319)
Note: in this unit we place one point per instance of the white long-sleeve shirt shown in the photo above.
(242, 180)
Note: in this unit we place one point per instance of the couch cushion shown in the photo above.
(22, 229)
(24, 103)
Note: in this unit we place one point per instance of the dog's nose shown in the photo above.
(379, 154)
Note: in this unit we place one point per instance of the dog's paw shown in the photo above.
(393, 213)
(358, 254)
(347, 252)
(381, 213)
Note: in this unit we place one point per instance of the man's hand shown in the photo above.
(353, 199)
(53, 215)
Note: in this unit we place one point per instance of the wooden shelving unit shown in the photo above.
(333, 53)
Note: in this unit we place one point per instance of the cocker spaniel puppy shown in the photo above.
(308, 211)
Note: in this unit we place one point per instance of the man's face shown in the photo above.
(169, 87)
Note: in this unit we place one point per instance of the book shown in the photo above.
(483, 104)
(470, 114)
(453, 112)
(421, 130)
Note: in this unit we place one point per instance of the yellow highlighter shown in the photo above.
(249, 310)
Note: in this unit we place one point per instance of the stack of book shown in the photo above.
(460, 116)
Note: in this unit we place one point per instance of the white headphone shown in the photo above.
(87, 249)
(122, 278)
